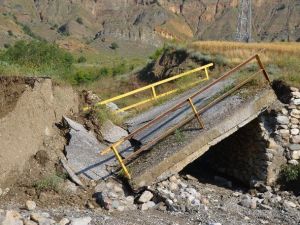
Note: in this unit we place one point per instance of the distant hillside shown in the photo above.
(144, 21)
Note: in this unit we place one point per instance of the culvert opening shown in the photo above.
(240, 159)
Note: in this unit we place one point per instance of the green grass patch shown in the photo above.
(50, 183)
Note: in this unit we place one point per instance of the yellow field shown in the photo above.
(281, 59)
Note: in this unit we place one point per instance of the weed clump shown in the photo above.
(50, 183)
(37, 54)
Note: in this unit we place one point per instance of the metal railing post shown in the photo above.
(154, 92)
(127, 174)
(206, 73)
(196, 113)
(262, 68)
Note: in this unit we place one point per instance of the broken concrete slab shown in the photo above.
(111, 132)
(83, 156)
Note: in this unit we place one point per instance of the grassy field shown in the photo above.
(282, 60)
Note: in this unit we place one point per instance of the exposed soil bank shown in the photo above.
(30, 107)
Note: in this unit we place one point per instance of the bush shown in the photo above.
(50, 183)
(114, 46)
(10, 33)
(7, 45)
(83, 77)
(26, 29)
(81, 59)
(37, 54)
(79, 20)
(119, 69)
(291, 173)
(158, 52)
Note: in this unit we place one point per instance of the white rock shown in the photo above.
(145, 197)
(30, 205)
(29, 222)
(284, 131)
(283, 120)
(289, 204)
(81, 221)
(173, 186)
(148, 205)
(64, 221)
(294, 126)
(284, 111)
(296, 94)
(295, 155)
(41, 218)
(295, 131)
(294, 121)
(12, 218)
(293, 162)
(173, 179)
(296, 101)
(294, 89)
(248, 202)
(214, 224)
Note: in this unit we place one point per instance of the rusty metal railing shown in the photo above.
(197, 113)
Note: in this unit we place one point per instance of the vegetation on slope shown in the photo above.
(282, 59)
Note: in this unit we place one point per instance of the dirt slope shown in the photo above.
(30, 108)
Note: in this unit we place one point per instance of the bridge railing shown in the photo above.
(153, 88)
(197, 112)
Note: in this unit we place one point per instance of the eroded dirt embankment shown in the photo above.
(30, 107)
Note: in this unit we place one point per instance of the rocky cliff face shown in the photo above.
(151, 21)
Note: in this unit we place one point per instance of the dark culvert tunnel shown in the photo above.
(241, 158)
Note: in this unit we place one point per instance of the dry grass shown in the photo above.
(281, 59)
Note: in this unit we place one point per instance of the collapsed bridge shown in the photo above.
(197, 120)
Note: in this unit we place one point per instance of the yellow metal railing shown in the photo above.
(152, 87)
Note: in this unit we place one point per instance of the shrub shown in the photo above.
(50, 183)
(114, 46)
(26, 29)
(79, 20)
(81, 59)
(119, 69)
(104, 114)
(10, 33)
(7, 45)
(158, 52)
(83, 77)
(37, 54)
(290, 173)
(103, 71)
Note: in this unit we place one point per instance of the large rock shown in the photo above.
(283, 120)
(248, 202)
(81, 221)
(30, 205)
(12, 218)
(145, 197)
(296, 101)
(111, 132)
(294, 147)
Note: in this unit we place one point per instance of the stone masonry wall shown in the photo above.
(257, 151)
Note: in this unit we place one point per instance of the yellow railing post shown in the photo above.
(196, 113)
(153, 92)
(206, 73)
(127, 174)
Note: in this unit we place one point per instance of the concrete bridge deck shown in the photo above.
(174, 152)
